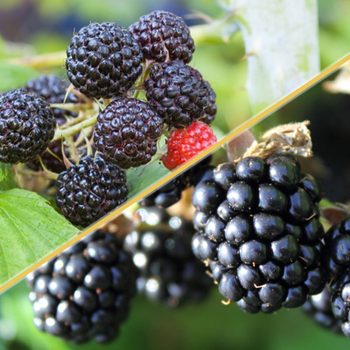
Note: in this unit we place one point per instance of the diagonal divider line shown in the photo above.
(167, 178)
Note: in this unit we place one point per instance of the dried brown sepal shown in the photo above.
(294, 138)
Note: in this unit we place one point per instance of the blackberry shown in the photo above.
(171, 193)
(319, 307)
(127, 131)
(179, 94)
(27, 126)
(163, 36)
(341, 301)
(259, 231)
(84, 293)
(161, 250)
(53, 90)
(337, 254)
(103, 60)
(89, 190)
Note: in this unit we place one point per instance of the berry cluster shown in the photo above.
(127, 132)
(103, 60)
(163, 36)
(52, 127)
(179, 94)
(256, 226)
(89, 190)
(27, 125)
(107, 61)
(84, 294)
(161, 250)
(259, 232)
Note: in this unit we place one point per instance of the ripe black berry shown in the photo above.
(127, 131)
(337, 253)
(84, 293)
(179, 94)
(163, 36)
(171, 192)
(90, 189)
(258, 229)
(27, 126)
(53, 90)
(319, 307)
(103, 60)
(161, 249)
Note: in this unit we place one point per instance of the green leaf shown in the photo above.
(14, 76)
(29, 229)
(7, 179)
(142, 177)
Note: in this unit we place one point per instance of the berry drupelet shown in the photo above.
(163, 36)
(161, 250)
(179, 94)
(259, 231)
(84, 293)
(27, 125)
(127, 132)
(103, 60)
(90, 189)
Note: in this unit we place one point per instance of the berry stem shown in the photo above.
(72, 107)
(73, 152)
(75, 129)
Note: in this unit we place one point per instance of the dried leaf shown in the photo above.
(288, 138)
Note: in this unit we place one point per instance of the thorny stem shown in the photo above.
(75, 129)
(73, 153)
(82, 136)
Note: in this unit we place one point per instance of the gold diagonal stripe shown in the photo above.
(234, 133)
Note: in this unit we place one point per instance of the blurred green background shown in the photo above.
(40, 26)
